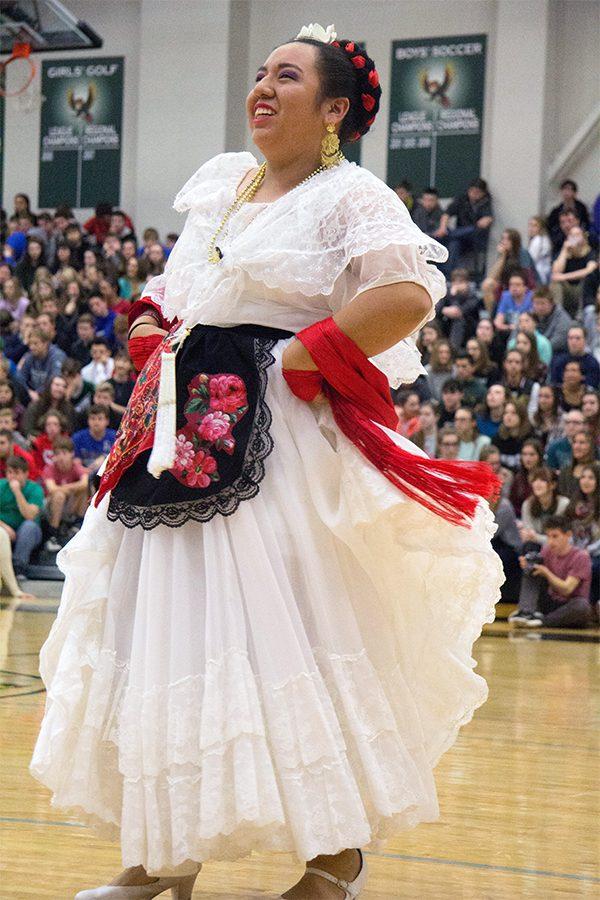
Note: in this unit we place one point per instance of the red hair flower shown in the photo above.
(374, 78)
(355, 136)
(350, 47)
(358, 61)
(368, 102)
(335, 43)
(370, 122)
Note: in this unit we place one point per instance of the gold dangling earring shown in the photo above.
(330, 148)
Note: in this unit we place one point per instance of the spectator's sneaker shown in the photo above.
(518, 617)
(52, 545)
(535, 620)
(526, 620)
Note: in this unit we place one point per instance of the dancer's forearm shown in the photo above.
(375, 321)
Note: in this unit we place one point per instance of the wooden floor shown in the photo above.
(518, 792)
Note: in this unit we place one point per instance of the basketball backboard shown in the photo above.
(45, 25)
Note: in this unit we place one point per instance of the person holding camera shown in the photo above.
(555, 587)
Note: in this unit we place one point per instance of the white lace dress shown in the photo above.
(287, 677)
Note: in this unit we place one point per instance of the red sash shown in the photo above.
(142, 348)
(359, 396)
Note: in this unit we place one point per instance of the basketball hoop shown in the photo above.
(21, 92)
(28, 27)
(21, 54)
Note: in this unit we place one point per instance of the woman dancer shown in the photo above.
(256, 648)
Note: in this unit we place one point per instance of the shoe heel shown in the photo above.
(183, 890)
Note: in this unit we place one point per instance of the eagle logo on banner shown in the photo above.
(435, 90)
(81, 105)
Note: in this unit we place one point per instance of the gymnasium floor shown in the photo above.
(519, 792)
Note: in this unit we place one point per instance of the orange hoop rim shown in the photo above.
(20, 51)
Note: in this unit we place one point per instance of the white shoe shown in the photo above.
(526, 620)
(52, 545)
(181, 889)
(352, 888)
(518, 617)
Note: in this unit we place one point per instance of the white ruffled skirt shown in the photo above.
(284, 678)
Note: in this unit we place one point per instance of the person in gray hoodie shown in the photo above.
(553, 321)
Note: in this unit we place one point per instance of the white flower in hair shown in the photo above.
(318, 33)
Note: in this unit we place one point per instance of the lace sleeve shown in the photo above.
(399, 251)
(306, 241)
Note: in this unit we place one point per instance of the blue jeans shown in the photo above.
(29, 536)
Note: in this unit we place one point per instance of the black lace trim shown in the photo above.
(225, 502)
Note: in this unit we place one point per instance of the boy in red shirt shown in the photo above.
(556, 592)
(66, 486)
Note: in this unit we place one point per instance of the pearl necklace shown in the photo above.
(215, 254)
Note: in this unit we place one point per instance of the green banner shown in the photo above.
(436, 112)
(81, 131)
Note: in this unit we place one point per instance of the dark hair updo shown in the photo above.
(345, 70)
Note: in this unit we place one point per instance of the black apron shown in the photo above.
(223, 435)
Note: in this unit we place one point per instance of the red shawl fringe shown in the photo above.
(360, 401)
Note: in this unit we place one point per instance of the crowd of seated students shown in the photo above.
(65, 373)
(511, 361)
(512, 377)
